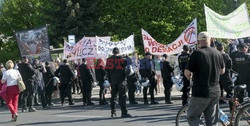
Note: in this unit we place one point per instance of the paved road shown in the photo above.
(77, 115)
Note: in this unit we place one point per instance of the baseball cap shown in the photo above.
(115, 50)
(203, 36)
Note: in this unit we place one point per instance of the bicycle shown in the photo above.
(242, 110)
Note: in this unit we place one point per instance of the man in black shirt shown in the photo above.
(115, 67)
(166, 72)
(241, 63)
(66, 76)
(87, 80)
(147, 71)
(28, 75)
(183, 60)
(205, 66)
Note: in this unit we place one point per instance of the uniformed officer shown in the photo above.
(183, 60)
(167, 71)
(241, 63)
(147, 71)
(115, 67)
(131, 80)
(66, 76)
(87, 80)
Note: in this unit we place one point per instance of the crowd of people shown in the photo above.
(139, 75)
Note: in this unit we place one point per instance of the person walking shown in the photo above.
(205, 66)
(10, 77)
(28, 75)
(49, 86)
(66, 76)
(115, 67)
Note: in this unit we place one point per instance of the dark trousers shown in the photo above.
(48, 92)
(41, 92)
(102, 93)
(151, 88)
(131, 90)
(27, 98)
(75, 86)
(185, 90)
(1, 102)
(167, 83)
(118, 86)
(86, 92)
(65, 91)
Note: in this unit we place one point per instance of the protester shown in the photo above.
(182, 61)
(28, 75)
(167, 72)
(66, 76)
(147, 72)
(115, 67)
(158, 66)
(87, 78)
(2, 70)
(101, 77)
(39, 82)
(205, 66)
(241, 63)
(10, 77)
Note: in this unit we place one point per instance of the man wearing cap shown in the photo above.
(241, 63)
(205, 66)
(28, 75)
(147, 72)
(66, 76)
(115, 67)
(183, 60)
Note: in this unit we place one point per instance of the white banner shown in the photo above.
(187, 37)
(85, 48)
(125, 46)
(234, 25)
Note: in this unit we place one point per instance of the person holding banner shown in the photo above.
(115, 67)
(147, 72)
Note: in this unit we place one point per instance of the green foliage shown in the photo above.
(163, 19)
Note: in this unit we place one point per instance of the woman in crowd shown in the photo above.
(10, 77)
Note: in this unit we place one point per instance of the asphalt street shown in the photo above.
(79, 115)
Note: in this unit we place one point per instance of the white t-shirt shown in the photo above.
(11, 76)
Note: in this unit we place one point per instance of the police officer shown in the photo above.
(183, 60)
(28, 75)
(115, 67)
(241, 63)
(167, 71)
(66, 76)
(147, 71)
(131, 80)
(87, 80)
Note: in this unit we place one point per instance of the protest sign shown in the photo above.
(34, 43)
(187, 37)
(234, 25)
(85, 48)
(106, 47)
